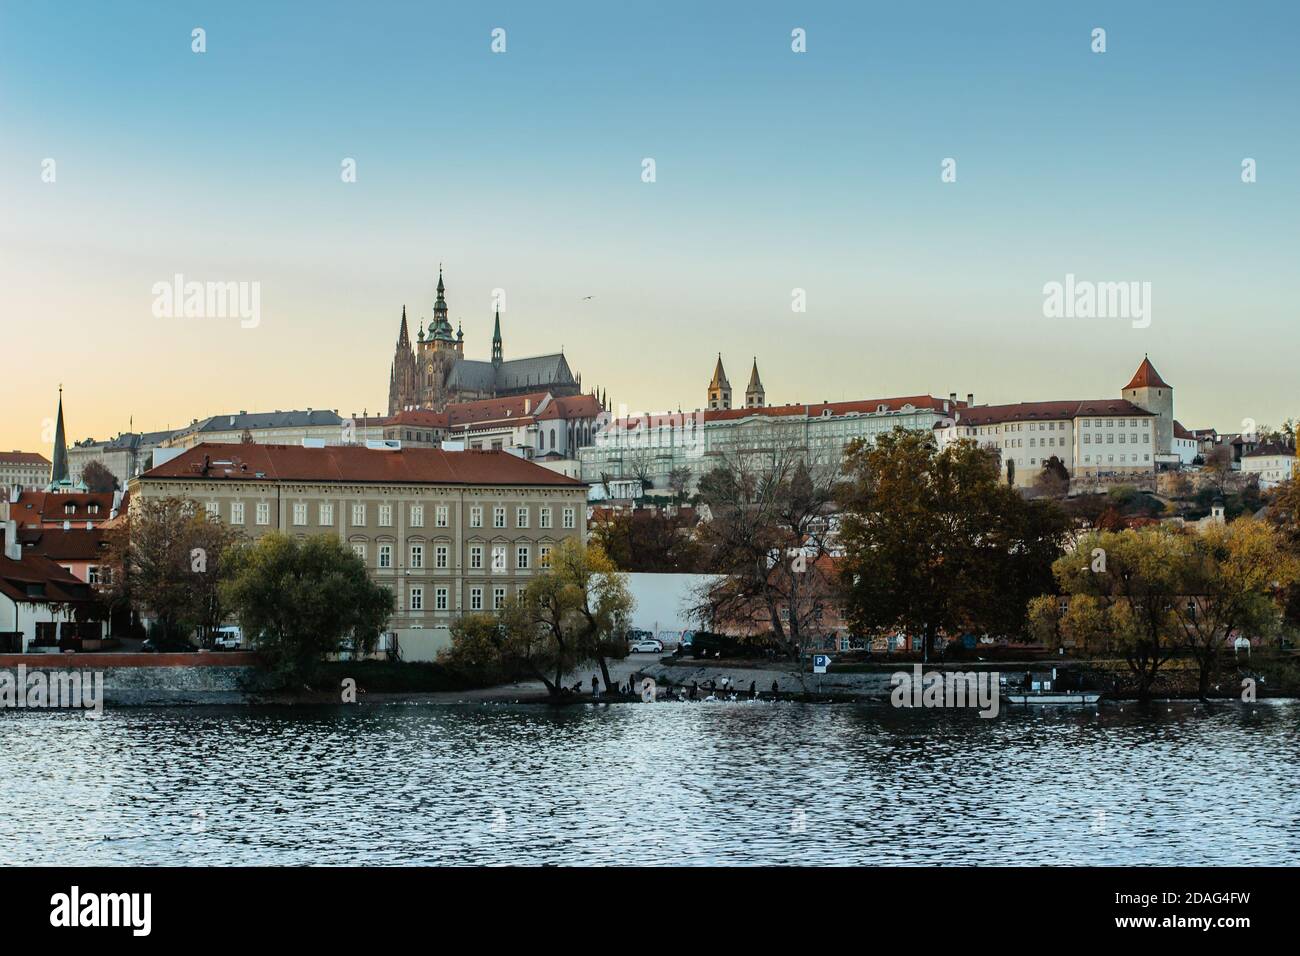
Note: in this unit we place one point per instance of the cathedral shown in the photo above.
(435, 373)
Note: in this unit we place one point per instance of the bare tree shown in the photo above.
(770, 539)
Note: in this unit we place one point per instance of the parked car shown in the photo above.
(157, 645)
(648, 646)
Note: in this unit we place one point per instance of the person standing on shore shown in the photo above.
(774, 689)
(753, 693)
(595, 686)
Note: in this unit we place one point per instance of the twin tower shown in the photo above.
(720, 389)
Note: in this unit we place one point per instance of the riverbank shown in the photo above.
(150, 680)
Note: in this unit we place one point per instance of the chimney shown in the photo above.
(13, 547)
(970, 398)
(952, 397)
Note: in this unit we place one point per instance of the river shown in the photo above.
(666, 783)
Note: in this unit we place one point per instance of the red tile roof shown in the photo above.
(44, 507)
(867, 406)
(1048, 411)
(1181, 432)
(571, 406)
(23, 458)
(1271, 450)
(355, 463)
(1146, 377)
(77, 544)
(38, 580)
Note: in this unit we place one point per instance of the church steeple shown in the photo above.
(496, 341)
(403, 336)
(719, 387)
(59, 469)
(754, 394)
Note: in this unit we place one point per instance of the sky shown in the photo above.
(524, 171)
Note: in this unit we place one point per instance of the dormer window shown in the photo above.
(69, 509)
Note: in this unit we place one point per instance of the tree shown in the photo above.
(578, 605)
(646, 539)
(934, 543)
(1218, 469)
(165, 558)
(1121, 588)
(1054, 479)
(300, 599)
(771, 522)
(492, 648)
(1011, 472)
(1231, 578)
(679, 479)
(98, 478)
(210, 541)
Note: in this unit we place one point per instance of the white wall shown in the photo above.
(662, 600)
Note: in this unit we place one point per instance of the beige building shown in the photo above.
(292, 427)
(1273, 462)
(125, 456)
(449, 532)
(28, 470)
(1099, 438)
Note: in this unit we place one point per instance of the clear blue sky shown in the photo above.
(522, 171)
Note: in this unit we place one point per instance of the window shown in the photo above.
(417, 516)
(476, 599)
(476, 557)
(325, 515)
(521, 517)
(440, 554)
(544, 518)
(385, 516)
(441, 516)
(236, 512)
(498, 558)
(299, 512)
(521, 557)
(498, 598)
(476, 516)
(359, 516)
(440, 599)
(263, 513)
(417, 598)
(417, 555)
(544, 556)
(359, 550)
(385, 555)
(569, 518)
(498, 517)
(212, 509)
(92, 574)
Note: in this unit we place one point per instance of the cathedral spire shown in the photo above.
(719, 387)
(403, 336)
(59, 469)
(496, 341)
(754, 395)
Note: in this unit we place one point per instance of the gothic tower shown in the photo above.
(719, 388)
(1148, 391)
(59, 469)
(754, 395)
(401, 379)
(497, 357)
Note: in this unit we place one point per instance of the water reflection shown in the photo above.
(739, 783)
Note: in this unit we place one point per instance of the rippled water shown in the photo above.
(666, 783)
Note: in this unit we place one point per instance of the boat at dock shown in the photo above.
(1054, 698)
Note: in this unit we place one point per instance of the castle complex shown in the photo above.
(435, 373)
